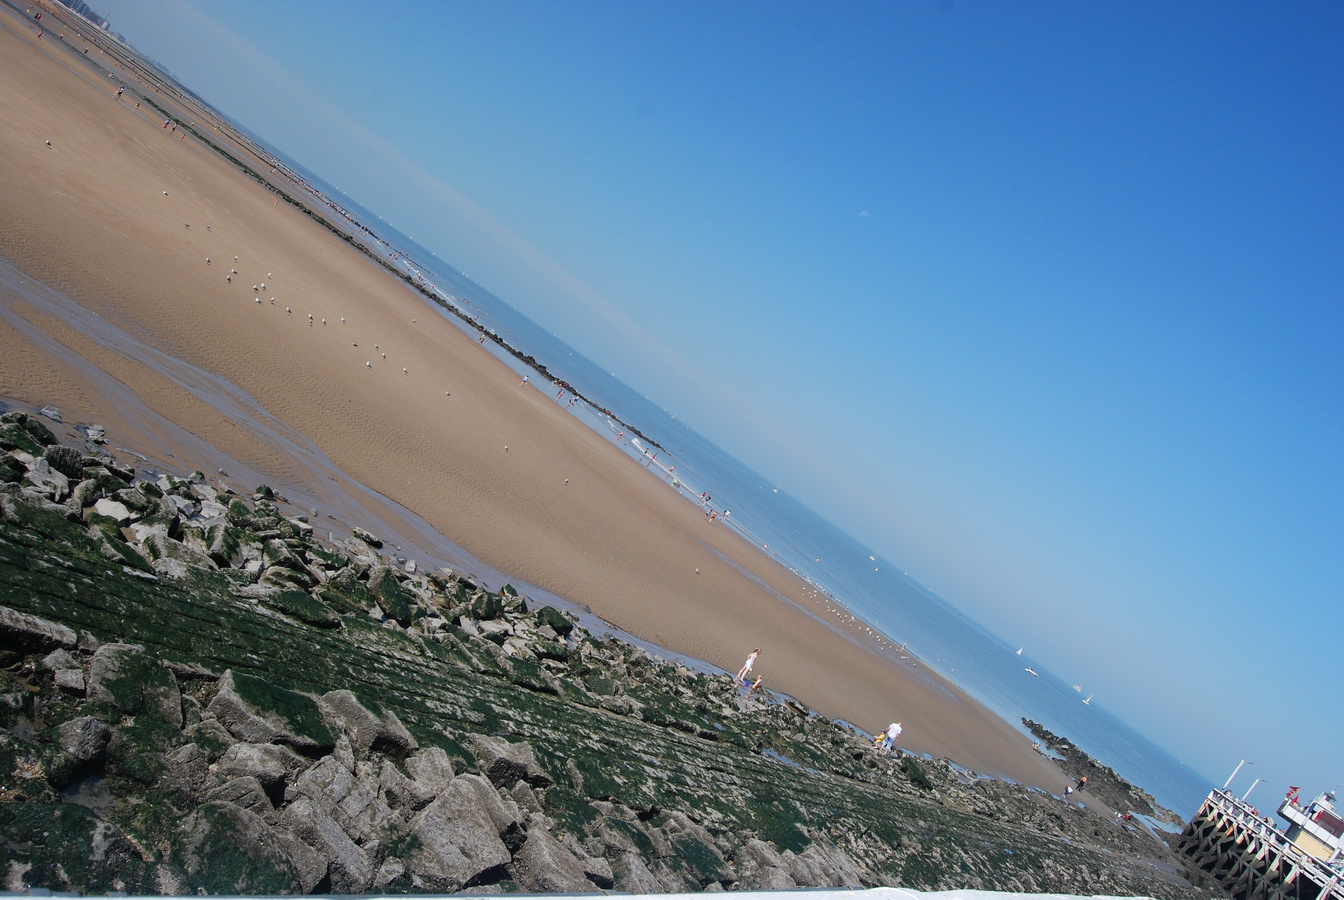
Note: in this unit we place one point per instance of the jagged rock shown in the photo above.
(96, 434)
(761, 868)
(85, 738)
(432, 769)
(631, 876)
(24, 630)
(504, 763)
(272, 765)
(134, 682)
(160, 548)
(348, 866)
(47, 480)
(50, 412)
(457, 841)
(247, 793)
(366, 537)
(185, 773)
(822, 865)
(400, 792)
(368, 731)
(66, 460)
(543, 865)
(259, 712)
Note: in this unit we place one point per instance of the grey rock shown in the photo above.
(46, 480)
(400, 792)
(50, 412)
(246, 793)
(431, 769)
(24, 630)
(259, 726)
(186, 772)
(272, 765)
(761, 868)
(366, 730)
(633, 877)
(457, 841)
(160, 546)
(543, 865)
(84, 738)
(505, 763)
(348, 866)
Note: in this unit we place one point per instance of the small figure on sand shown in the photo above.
(1082, 783)
(743, 672)
(526, 378)
(890, 737)
(1067, 792)
(755, 685)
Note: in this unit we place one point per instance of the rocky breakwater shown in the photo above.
(199, 694)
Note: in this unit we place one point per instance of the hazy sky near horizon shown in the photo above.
(1041, 301)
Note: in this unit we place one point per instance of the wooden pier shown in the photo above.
(1250, 858)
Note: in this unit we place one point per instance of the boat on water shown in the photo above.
(1019, 650)
(1032, 672)
(1078, 688)
(1088, 701)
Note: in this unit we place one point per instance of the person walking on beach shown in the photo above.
(525, 380)
(892, 735)
(743, 672)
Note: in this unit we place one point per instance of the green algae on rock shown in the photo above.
(196, 694)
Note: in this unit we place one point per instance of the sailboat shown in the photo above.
(1019, 650)
(1088, 701)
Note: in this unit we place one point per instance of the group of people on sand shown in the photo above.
(743, 676)
(1070, 789)
(884, 740)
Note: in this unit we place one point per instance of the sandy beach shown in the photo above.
(182, 360)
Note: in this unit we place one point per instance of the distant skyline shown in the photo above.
(1040, 301)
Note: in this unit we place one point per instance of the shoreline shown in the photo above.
(129, 249)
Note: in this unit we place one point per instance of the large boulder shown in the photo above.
(544, 866)
(505, 763)
(380, 731)
(260, 712)
(349, 867)
(225, 849)
(458, 840)
(135, 682)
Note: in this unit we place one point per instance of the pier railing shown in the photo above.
(1251, 858)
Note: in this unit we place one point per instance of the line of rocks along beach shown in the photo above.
(199, 694)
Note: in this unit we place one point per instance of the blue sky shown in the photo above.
(1042, 301)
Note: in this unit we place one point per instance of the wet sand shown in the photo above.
(118, 214)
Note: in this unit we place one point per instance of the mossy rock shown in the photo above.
(299, 712)
(916, 775)
(32, 427)
(220, 849)
(69, 848)
(558, 621)
(303, 607)
(13, 437)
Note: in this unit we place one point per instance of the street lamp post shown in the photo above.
(1249, 789)
(1244, 762)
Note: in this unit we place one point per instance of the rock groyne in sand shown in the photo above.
(199, 693)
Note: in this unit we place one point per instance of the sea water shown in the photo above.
(933, 633)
